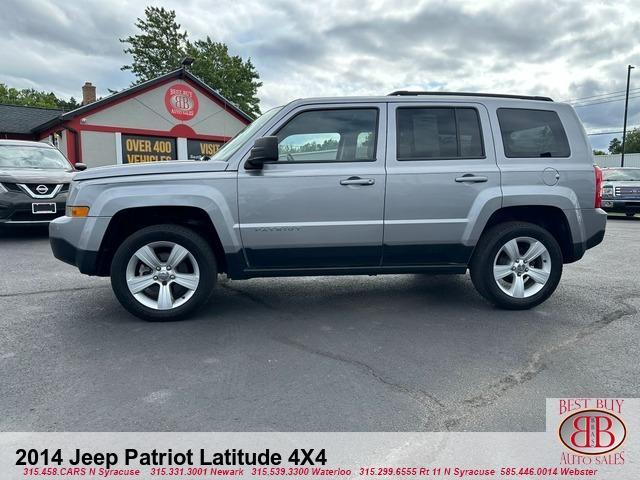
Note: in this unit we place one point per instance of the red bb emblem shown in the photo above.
(592, 432)
(181, 101)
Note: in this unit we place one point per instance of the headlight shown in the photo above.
(607, 191)
(3, 189)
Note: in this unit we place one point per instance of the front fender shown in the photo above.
(215, 197)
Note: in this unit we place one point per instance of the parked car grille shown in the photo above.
(628, 191)
(12, 187)
(39, 188)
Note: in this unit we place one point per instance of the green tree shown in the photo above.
(161, 44)
(158, 48)
(235, 78)
(615, 146)
(599, 152)
(631, 143)
(34, 98)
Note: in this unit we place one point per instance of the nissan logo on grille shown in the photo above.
(42, 189)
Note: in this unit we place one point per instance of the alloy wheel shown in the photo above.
(522, 267)
(162, 275)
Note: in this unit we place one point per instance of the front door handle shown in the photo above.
(471, 178)
(357, 181)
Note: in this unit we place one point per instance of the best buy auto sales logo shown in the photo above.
(593, 430)
(181, 101)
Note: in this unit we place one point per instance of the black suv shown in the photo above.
(34, 181)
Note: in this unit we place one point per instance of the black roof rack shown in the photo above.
(407, 93)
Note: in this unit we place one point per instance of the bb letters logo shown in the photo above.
(592, 432)
(181, 101)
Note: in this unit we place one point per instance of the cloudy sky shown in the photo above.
(563, 49)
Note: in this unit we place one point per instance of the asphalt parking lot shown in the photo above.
(387, 353)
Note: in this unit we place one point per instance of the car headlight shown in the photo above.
(3, 189)
(607, 191)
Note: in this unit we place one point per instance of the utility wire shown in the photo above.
(588, 104)
(604, 133)
(574, 100)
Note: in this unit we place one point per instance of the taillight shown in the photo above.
(598, 173)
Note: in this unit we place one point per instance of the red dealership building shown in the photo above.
(173, 117)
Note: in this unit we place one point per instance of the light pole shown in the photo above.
(626, 106)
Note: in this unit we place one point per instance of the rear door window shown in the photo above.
(532, 133)
(434, 133)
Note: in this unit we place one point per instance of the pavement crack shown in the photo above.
(426, 400)
(535, 365)
(607, 319)
(44, 292)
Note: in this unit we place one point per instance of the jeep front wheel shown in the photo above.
(516, 265)
(163, 272)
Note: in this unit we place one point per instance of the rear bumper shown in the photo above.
(595, 239)
(594, 222)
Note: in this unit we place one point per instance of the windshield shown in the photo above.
(19, 156)
(621, 175)
(241, 138)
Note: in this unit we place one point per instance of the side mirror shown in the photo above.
(80, 166)
(264, 150)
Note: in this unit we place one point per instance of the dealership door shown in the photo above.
(321, 204)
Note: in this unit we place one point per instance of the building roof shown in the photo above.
(24, 120)
(175, 74)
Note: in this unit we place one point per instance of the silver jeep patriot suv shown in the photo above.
(413, 182)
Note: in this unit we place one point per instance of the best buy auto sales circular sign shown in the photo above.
(181, 101)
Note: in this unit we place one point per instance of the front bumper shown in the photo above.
(77, 241)
(621, 206)
(15, 208)
(85, 260)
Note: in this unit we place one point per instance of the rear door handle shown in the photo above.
(471, 178)
(357, 181)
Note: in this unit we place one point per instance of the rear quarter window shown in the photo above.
(532, 133)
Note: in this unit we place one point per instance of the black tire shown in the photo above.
(481, 267)
(185, 237)
(630, 214)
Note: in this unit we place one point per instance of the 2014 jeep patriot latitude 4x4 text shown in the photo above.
(411, 182)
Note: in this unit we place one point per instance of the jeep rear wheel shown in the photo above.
(163, 272)
(516, 265)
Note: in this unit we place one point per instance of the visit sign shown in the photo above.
(197, 149)
(181, 101)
